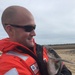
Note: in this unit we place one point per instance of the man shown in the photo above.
(18, 55)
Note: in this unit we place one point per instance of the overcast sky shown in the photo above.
(55, 19)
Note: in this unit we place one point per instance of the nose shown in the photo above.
(32, 33)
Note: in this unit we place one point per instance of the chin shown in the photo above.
(31, 44)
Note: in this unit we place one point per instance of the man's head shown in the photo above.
(19, 24)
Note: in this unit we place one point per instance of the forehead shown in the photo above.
(23, 18)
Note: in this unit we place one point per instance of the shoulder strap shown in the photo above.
(39, 52)
(42, 64)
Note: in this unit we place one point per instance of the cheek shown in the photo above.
(24, 35)
(21, 34)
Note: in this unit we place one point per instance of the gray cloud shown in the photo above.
(55, 19)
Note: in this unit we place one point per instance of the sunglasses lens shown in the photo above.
(29, 28)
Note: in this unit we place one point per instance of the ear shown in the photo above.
(9, 29)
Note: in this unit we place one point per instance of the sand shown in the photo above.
(68, 54)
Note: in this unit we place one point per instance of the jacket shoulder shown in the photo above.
(13, 63)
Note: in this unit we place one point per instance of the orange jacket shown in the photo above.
(15, 62)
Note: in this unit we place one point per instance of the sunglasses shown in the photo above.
(27, 28)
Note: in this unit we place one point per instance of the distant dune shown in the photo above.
(62, 46)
